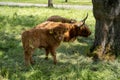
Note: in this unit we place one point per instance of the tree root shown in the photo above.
(102, 54)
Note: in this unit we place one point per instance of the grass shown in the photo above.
(72, 61)
(71, 2)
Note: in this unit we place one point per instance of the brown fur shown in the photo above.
(57, 18)
(49, 39)
(74, 30)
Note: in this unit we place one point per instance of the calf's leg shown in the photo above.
(53, 53)
(28, 57)
(31, 59)
(47, 53)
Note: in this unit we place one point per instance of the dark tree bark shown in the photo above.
(66, 0)
(107, 29)
(50, 3)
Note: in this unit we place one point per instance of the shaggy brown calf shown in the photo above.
(49, 39)
(57, 18)
(74, 30)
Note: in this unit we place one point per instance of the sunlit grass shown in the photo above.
(70, 2)
(73, 64)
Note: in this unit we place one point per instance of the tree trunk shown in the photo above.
(50, 3)
(66, 0)
(107, 29)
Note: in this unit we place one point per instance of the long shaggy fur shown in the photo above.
(56, 18)
(74, 30)
(49, 39)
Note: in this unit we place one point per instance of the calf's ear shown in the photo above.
(79, 25)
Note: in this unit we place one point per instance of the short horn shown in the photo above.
(85, 18)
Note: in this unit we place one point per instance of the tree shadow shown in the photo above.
(71, 60)
(23, 20)
(81, 46)
(12, 57)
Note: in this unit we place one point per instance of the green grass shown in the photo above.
(73, 64)
(72, 2)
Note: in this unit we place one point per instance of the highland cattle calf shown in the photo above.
(49, 39)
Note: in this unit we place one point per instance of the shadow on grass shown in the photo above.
(23, 20)
(80, 46)
(11, 54)
(12, 61)
(72, 62)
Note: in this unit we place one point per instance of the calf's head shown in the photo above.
(81, 28)
(58, 32)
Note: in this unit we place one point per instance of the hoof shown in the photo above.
(46, 58)
(55, 63)
(32, 62)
